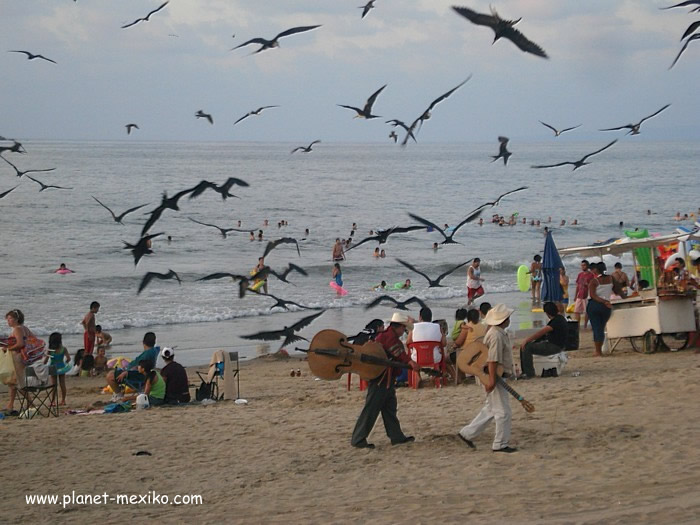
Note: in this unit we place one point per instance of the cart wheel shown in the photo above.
(675, 342)
(646, 344)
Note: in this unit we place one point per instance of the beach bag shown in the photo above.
(203, 392)
(7, 367)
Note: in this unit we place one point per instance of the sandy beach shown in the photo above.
(612, 444)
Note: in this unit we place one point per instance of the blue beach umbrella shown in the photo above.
(551, 262)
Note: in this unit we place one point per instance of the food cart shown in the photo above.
(663, 314)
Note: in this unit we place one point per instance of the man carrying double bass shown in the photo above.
(381, 393)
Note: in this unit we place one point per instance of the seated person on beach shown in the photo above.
(460, 319)
(77, 363)
(131, 376)
(102, 339)
(177, 388)
(426, 330)
(549, 340)
(154, 386)
(87, 365)
(470, 331)
(100, 360)
(484, 309)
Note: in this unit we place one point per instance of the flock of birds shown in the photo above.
(502, 28)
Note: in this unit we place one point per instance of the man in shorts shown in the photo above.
(584, 277)
(474, 280)
(131, 376)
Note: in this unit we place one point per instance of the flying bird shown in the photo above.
(147, 17)
(166, 203)
(578, 163)
(365, 112)
(502, 29)
(685, 45)
(20, 172)
(683, 4)
(32, 56)
(426, 114)
(129, 127)
(691, 29)
(282, 276)
(503, 152)
(254, 112)
(201, 114)
(306, 149)
(283, 303)
(383, 235)
(47, 186)
(269, 44)
(155, 275)
(142, 247)
(6, 193)
(118, 218)
(367, 7)
(556, 131)
(223, 231)
(396, 122)
(224, 189)
(394, 136)
(498, 199)
(634, 128)
(448, 238)
(15, 148)
(287, 332)
(401, 305)
(432, 283)
(284, 240)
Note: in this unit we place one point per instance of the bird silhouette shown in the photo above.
(577, 163)
(396, 122)
(634, 128)
(401, 305)
(502, 29)
(224, 189)
(288, 332)
(427, 113)
(683, 4)
(432, 283)
(15, 148)
(269, 44)
(223, 231)
(448, 238)
(685, 46)
(366, 111)
(20, 172)
(118, 218)
(129, 127)
(166, 203)
(394, 136)
(556, 131)
(201, 114)
(47, 186)
(6, 193)
(284, 240)
(383, 235)
(503, 152)
(243, 280)
(32, 56)
(155, 275)
(691, 29)
(306, 149)
(147, 17)
(283, 303)
(282, 276)
(255, 112)
(367, 7)
(497, 201)
(142, 247)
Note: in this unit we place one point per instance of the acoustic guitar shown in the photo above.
(331, 356)
(473, 358)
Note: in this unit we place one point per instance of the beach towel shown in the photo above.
(216, 357)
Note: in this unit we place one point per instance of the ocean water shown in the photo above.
(373, 185)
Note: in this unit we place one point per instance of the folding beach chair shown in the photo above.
(224, 366)
(41, 398)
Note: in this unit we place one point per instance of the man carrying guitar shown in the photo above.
(381, 393)
(497, 405)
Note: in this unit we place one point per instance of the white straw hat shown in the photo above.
(400, 318)
(498, 314)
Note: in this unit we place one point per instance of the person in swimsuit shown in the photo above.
(338, 252)
(474, 280)
(60, 358)
(536, 277)
(25, 347)
(564, 283)
(63, 269)
(88, 323)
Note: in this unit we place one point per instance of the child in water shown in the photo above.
(337, 275)
(59, 358)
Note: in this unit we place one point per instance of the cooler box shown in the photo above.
(571, 334)
(547, 362)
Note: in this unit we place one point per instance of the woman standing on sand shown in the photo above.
(25, 347)
(599, 307)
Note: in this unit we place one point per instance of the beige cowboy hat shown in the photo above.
(401, 318)
(498, 314)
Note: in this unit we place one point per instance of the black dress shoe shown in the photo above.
(364, 444)
(406, 439)
(469, 442)
(507, 450)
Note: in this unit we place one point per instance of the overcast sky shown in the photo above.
(608, 66)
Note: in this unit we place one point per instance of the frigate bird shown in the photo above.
(269, 44)
(20, 172)
(503, 152)
(32, 56)
(201, 114)
(400, 305)
(118, 218)
(634, 128)
(155, 275)
(146, 18)
(255, 112)
(288, 332)
(577, 163)
(306, 149)
(432, 283)
(366, 111)
(556, 131)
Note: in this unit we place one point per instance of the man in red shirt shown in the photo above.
(381, 393)
(584, 277)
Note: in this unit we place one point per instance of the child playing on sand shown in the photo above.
(59, 358)
(155, 386)
(102, 339)
(100, 360)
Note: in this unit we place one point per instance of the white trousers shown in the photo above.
(497, 407)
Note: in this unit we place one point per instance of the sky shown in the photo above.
(608, 67)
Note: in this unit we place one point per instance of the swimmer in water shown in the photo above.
(406, 285)
(63, 269)
(380, 286)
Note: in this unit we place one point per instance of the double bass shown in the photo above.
(330, 355)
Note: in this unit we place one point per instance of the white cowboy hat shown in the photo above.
(498, 314)
(400, 318)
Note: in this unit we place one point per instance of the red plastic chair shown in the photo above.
(425, 359)
(363, 383)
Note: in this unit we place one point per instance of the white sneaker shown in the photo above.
(116, 398)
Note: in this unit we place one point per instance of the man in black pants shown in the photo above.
(553, 339)
(381, 394)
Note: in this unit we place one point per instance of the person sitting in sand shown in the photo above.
(483, 310)
(460, 319)
(63, 269)
(100, 360)
(154, 385)
(549, 340)
(102, 339)
(132, 376)
(177, 388)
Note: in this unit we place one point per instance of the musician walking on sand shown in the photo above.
(381, 393)
(497, 405)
